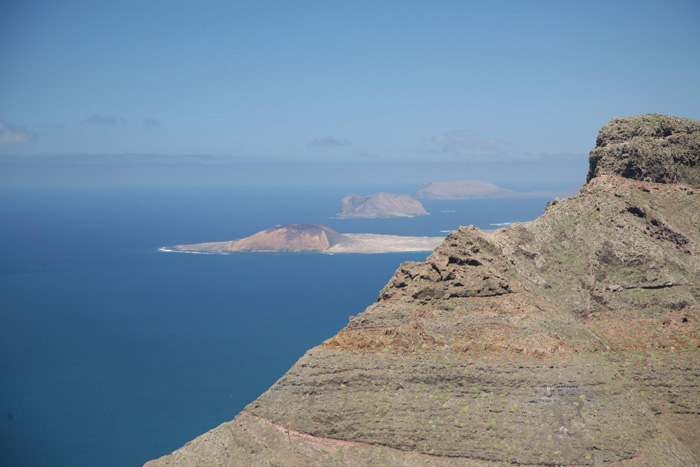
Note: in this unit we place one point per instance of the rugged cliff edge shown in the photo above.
(655, 148)
(570, 340)
(380, 205)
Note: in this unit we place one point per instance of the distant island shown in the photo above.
(312, 237)
(380, 205)
(477, 189)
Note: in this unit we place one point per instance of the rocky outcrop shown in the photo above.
(380, 205)
(570, 340)
(654, 148)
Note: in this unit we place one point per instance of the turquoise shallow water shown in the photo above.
(113, 353)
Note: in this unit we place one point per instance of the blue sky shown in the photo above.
(329, 91)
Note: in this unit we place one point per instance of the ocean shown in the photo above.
(113, 353)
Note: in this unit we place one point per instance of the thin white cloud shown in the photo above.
(105, 121)
(329, 142)
(367, 155)
(14, 135)
(135, 159)
(462, 142)
(152, 123)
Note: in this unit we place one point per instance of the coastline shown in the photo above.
(351, 244)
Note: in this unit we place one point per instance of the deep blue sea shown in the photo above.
(113, 353)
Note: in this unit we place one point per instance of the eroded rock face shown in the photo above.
(570, 340)
(465, 265)
(655, 148)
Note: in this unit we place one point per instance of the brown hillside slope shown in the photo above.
(570, 340)
(294, 237)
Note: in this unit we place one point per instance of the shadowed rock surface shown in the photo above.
(570, 340)
(380, 205)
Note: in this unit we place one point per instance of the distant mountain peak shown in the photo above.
(380, 205)
(477, 189)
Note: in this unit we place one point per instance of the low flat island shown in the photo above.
(312, 237)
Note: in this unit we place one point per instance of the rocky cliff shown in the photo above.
(655, 148)
(570, 340)
(380, 205)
